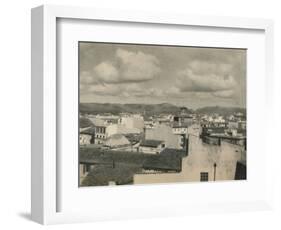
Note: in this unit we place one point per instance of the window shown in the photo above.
(204, 176)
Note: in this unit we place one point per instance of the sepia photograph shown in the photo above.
(161, 114)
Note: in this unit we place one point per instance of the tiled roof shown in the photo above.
(85, 122)
(98, 122)
(162, 163)
(102, 175)
(165, 161)
(173, 152)
(99, 155)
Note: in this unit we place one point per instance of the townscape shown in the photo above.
(161, 114)
(174, 144)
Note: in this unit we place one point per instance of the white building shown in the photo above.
(164, 133)
(85, 139)
(204, 162)
(87, 135)
(117, 141)
(120, 129)
(132, 122)
(100, 134)
(151, 146)
(219, 119)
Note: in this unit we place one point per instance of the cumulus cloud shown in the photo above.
(209, 82)
(204, 78)
(128, 67)
(207, 76)
(137, 66)
(174, 92)
(190, 75)
(124, 90)
(124, 76)
(108, 80)
(86, 78)
(137, 90)
(105, 89)
(106, 72)
(201, 67)
(224, 93)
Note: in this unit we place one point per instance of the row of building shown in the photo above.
(194, 145)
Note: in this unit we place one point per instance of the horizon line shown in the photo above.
(240, 107)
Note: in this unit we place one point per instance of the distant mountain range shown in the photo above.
(148, 109)
(152, 109)
(221, 110)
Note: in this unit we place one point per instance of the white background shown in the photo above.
(15, 114)
(137, 198)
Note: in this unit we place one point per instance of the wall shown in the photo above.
(121, 129)
(85, 139)
(15, 113)
(201, 158)
(133, 122)
(164, 133)
(225, 156)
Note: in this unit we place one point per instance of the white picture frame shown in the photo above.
(46, 183)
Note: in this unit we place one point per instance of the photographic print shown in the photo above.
(161, 114)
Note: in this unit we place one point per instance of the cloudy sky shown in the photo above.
(184, 76)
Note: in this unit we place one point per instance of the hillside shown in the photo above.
(152, 109)
(225, 111)
(148, 109)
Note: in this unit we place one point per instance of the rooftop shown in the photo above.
(102, 175)
(228, 137)
(168, 160)
(151, 143)
(85, 122)
(133, 137)
(163, 162)
(173, 152)
(89, 131)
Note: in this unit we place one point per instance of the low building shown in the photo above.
(204, 162)
(242, 125)
(233, 124)
(117, 141)
(100, 166)
(164, 133)
(121, 129)
(108, 118)
(151, 146)
(179, 129)
(87, 136)
(213, 130)
(132, 122)
(214, 135)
